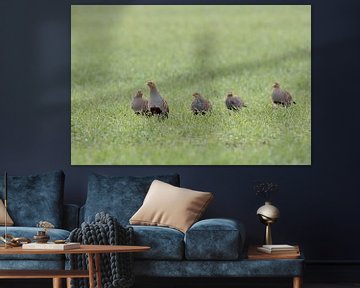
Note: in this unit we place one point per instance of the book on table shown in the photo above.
(255, 254)
(51, 246)
(278, 249)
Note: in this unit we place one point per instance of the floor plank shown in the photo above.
(46, 283)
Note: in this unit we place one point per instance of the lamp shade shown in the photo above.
(269, 211)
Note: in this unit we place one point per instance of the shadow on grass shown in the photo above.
(203, 72)
(211, 74)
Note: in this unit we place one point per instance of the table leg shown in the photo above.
(91, 270)
(57, 283)
(98, 270)
(68, 282)
(297, 282)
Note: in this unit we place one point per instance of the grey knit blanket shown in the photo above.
(116, 268)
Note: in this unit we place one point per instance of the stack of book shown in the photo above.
(274, 252)
(279, 249)
(51, 246)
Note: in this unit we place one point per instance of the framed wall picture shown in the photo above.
(191, 85)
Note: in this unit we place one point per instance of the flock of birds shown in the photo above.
(157, 105)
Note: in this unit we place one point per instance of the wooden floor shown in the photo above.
(45, 283)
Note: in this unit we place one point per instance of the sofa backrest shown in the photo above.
(70, 219)
(120, 196)
(35, 198)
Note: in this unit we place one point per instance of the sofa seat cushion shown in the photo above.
(214, 239)
(29, 232)
(235, 268)
(166, 243)
(120, 196)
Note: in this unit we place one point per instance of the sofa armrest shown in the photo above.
(71, 216)
(215, 239)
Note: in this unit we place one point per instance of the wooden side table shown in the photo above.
(254, 254)
(93, 251)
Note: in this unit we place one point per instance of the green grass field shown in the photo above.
(184, 49)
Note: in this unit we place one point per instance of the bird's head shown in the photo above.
(151, 84)
(139, 93)
(196, 94)
(276, 85)
(230, 94)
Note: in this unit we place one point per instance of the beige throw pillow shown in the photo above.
(170, 206)
(9, 221)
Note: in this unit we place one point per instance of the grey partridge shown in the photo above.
(281, 97)
(200, 105)
(139, 104)
(234, 102)
(157, 104)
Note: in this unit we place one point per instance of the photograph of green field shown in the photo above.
(118, 50)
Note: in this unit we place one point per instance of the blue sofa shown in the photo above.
(210, 248)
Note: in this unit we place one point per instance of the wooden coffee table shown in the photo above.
(57, 275)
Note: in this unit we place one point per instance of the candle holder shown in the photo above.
(41, 237)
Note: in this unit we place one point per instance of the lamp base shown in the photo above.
(268, 237)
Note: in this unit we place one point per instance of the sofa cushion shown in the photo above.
(9, 221)
(35, 198)
(29, 232)
(39, 264)
(170, 206)
(213, 269)
(214, 239)
(119, 196)
(165, 243)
